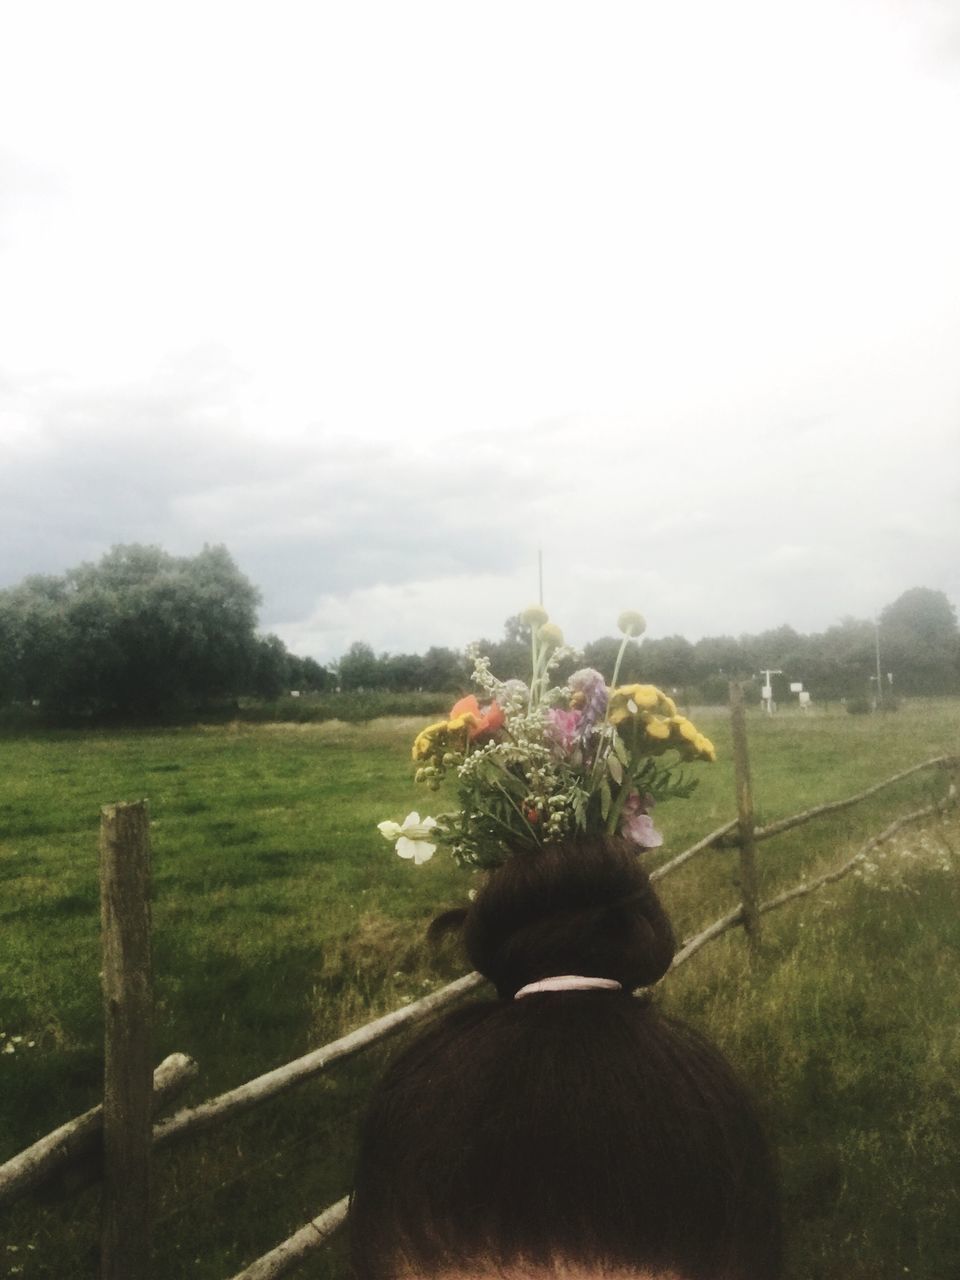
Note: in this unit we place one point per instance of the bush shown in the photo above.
(353, 705)
(859, 706)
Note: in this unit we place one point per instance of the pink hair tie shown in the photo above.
(569, 982)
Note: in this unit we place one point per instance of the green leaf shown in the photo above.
(620, 748)
(616, 769)
(605, 799)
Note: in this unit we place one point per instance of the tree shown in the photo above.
(720, 656)
(668, 662)
(403, 672)
(138, 632)
(444, 670)
(307, 675)
(602, 656)
(359, 668)
(509, 657)
(271, 668)
(847, 654)
(920, 642)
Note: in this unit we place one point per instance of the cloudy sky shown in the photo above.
(386, 297)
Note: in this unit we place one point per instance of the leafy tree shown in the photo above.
(444, 670)
(403, 672)
(720, 656)
(773, 648)
(359, 668)
(847, 653)
(920, 642)
(140, 631)
(307, 675)
(271, 668)
(602, 656)
(669, 661)
(510, 657)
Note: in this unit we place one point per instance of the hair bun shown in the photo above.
(577, 907)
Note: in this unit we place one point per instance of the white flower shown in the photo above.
(412, 837)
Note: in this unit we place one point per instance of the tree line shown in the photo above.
(917, 637)
(143, 632)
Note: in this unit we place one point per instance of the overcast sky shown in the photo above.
(385, 297)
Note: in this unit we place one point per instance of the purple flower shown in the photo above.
(637, 825)
(589, 691)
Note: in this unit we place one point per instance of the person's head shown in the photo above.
(576, 1133)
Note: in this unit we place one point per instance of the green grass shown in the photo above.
(281, 920)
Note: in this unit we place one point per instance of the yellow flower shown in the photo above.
(423, 743)
(690, 742)
(684, 729)
(464, 721)
(628, 699)
(658, 728)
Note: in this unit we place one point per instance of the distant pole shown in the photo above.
(128, 1071)
(540, 569)
(768, 673)
(876, 636)
(748, 858)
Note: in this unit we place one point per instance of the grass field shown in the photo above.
(282, 919)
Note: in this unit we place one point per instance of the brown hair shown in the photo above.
(581, 1127)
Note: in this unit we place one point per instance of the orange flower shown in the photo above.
(479, 722)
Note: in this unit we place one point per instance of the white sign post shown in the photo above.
(766, 693)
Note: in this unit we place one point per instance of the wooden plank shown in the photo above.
(693, 945)
(797, 819)
(128, 1074)
(251, 1094)
(308, 1240)
(712, 839)
(810, 886)
(81, 1138)
(733, 918)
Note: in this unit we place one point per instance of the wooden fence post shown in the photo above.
(748, 859)
(128, 1071)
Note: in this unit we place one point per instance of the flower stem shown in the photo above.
(616, 665)
(613, 817)
(629, 782)
(534, 663)
(513, 804)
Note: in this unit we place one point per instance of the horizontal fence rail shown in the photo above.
(733, 918)
(300, 1245)
(797, 819)
(710, 841)
(82, 1137)
(281, 1079)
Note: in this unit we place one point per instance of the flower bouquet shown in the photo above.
(537, 763)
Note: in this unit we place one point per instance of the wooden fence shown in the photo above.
(124, 1132)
